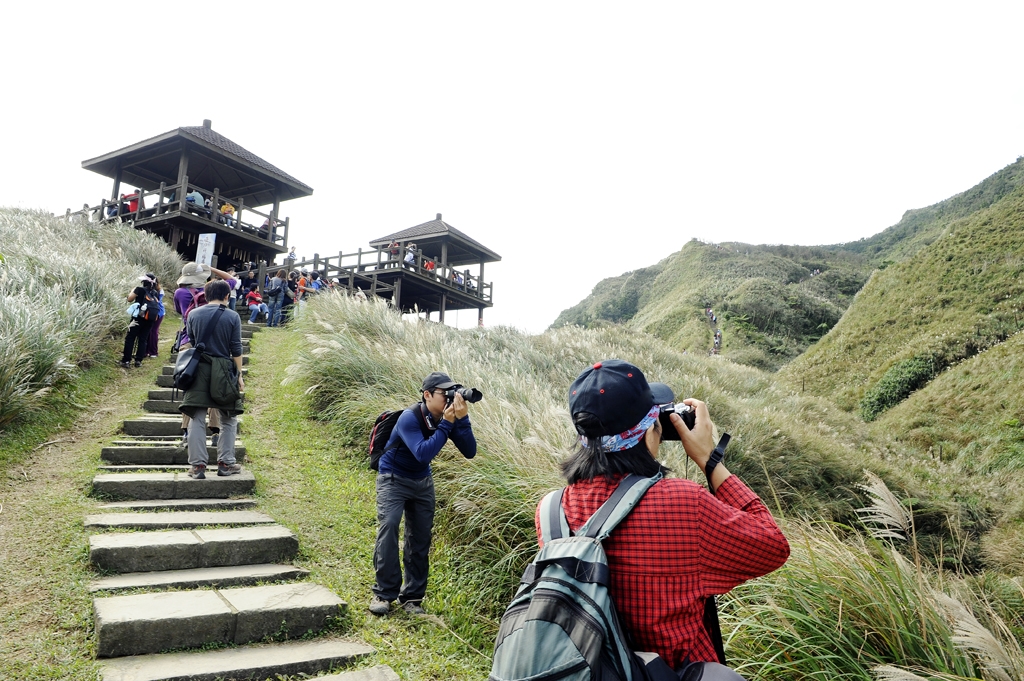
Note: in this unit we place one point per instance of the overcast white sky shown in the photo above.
(579, 140)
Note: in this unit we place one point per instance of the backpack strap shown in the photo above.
(629, 492)
(553, 524)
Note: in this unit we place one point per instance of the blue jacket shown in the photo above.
(408, 453)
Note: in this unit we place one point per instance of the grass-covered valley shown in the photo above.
(889, 381)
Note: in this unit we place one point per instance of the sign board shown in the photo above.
(204, 252)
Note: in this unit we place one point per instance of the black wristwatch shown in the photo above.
(716, 458)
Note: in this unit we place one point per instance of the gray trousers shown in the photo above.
(398, 496)
(197, 455)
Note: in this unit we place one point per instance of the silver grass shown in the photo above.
(889, 517)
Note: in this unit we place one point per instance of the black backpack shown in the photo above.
(384, 425)
(149, 307)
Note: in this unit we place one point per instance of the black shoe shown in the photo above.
(214, 439)
(137, 364)
(124, 365)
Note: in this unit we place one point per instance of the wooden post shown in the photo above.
(396, 297)
(480, 284)
(261, 275)
(285, 244)
(160, 199)
(182, 175)
(444, 252)
(214, 209)
(444, 301)
(182, 191)
(373, 285)
(238, 219)
(480, 317)
(117, 182)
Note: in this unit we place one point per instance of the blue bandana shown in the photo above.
(629, 438)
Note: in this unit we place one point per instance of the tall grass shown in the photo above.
(804, 457)
(62, 290)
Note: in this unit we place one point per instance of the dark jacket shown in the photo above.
(216, 379)
(409, 451)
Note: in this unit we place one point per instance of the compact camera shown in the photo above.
(468, 394)
(685, 411)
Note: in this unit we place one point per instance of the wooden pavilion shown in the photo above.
(166, 170)
(427, 268)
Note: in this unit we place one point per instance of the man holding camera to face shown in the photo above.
(405, 487)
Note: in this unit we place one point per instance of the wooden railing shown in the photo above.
(170, 198)
(348, 265)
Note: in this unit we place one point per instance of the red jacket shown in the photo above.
(677, 547)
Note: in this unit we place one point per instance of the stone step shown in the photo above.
(167, 380)
(157, 453)
(168, 370)
(175, 519)
(152, 424)
(272, 660)
(168, 393)
(180, 505)
(381, 672)
(143, 468)
(152, 622)
(161, 406)
(233, 575)
(173, 485)
(187, 549)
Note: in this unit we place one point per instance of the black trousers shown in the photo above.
(138, 332)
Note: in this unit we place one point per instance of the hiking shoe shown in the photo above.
(197, 472)
(413, 608)
(225, 469)
(379, 607)
(214, 439)
(124, 365)
(137, 364)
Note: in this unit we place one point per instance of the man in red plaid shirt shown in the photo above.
(680, 545)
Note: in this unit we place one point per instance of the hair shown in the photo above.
(146, 283)
(590, 461)
(217, 289)
(253, 286)
(281, 274)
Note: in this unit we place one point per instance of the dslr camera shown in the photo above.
(685, 411)
(468, 394)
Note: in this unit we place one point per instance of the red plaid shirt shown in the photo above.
(677, 547)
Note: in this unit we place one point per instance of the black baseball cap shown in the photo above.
(438, 379)
(614, 391)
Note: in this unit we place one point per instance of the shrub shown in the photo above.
(896, 384)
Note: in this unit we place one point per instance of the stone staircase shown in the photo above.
(190, 564)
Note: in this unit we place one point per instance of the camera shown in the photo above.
(468, 394)
(685, 411)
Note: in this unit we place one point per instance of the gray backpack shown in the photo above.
(562, 623)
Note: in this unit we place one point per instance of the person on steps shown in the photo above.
(218, 383)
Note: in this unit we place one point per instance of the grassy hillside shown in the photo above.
(771, 309)
(877, 602)
(948, 302)
(769, 305)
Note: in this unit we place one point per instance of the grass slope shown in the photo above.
(770, 309)
(951, 300)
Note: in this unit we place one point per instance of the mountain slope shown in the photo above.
(960, 295)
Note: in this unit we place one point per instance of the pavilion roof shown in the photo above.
(462, 249)
(228, 166)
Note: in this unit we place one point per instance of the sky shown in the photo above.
(578, 140)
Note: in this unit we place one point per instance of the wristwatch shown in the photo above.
(716, 458)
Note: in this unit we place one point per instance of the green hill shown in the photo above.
(770, 307)
(951, 300)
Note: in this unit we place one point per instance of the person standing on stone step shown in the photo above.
(218, 383)
(405, 487)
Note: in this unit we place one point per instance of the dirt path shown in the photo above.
(45, 606)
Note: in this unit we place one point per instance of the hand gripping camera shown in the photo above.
(469, 394)
(685, 411)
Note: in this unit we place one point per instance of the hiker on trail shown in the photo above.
(143, 311)
(680, 545)
(154, 331)
(405, 486)
(291, 293)
(291, 257)
(254, 301)
(190, 296)
(218, 383)
(275, 291)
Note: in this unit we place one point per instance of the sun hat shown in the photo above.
(436, 380)
(617, 394)
(194, 273)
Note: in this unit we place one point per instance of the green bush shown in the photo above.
(896, 384)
